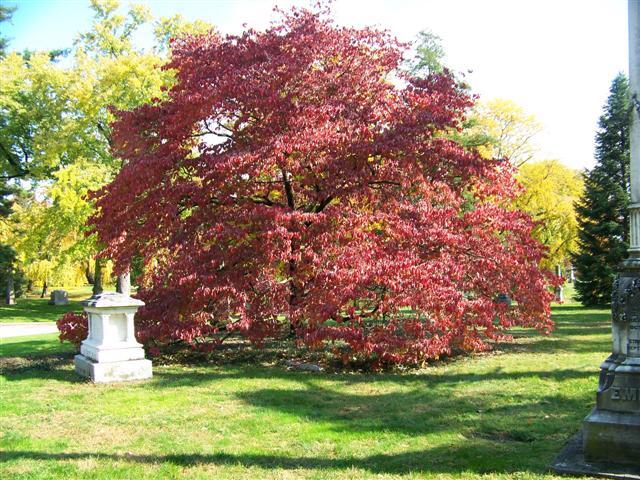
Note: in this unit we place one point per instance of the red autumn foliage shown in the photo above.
(296, 179)
(73, 327)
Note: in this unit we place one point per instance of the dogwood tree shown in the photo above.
(296, 180)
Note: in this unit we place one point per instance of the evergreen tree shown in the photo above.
(603, 208)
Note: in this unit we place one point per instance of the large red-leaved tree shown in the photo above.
(296, 180)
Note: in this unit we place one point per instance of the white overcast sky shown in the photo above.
(555, 58)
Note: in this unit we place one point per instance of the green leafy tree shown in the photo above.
(12, 279)
(168, 28)
(603, 215)
(10, 276)
(34, 130)
(428, 56)
(55, 126)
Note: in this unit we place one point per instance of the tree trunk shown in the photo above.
(572, 275)
(123, 284)
(30, 286)
(89, 274)
(45, 289)
(97, 279)
(9, 294)
(559, 289)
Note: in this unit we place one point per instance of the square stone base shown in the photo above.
(612, 437)
(106, 372)
(571, 461)
(116, 352)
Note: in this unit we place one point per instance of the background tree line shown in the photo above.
(55, 137)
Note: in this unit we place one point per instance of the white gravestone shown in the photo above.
(111, 353)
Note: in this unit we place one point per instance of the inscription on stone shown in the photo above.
(628, 394)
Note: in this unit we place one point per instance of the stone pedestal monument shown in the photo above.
(611, 432)
(111, 353)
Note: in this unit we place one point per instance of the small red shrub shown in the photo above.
(73, 327)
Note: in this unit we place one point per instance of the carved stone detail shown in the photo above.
(625, 298)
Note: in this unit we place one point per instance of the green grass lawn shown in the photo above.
(499, 415)
(32, 308)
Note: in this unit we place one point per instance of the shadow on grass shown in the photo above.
(580, 316)
(35, 310)
(50, 367)
(582, 332)
(60, 367)
(36, 348)
(556, 345)
(587, 330)
(47, 358)
(577, 320)
(164, 379)
(487, 430)
(491, 421)
(475, 458)
(577, 306)
(499, 415)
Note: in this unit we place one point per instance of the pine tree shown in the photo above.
(603, 208)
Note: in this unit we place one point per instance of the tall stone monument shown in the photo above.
(611, 432)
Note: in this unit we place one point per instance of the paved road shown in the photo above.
(21, 329)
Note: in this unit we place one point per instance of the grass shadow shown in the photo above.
(36, 347)
(475, 458)
(49, 367)
(35, 310)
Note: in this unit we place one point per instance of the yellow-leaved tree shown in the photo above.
(550, 190)
(505, 130)
(55, 118)
(500, 128)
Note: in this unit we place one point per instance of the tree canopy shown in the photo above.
(286, 181)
